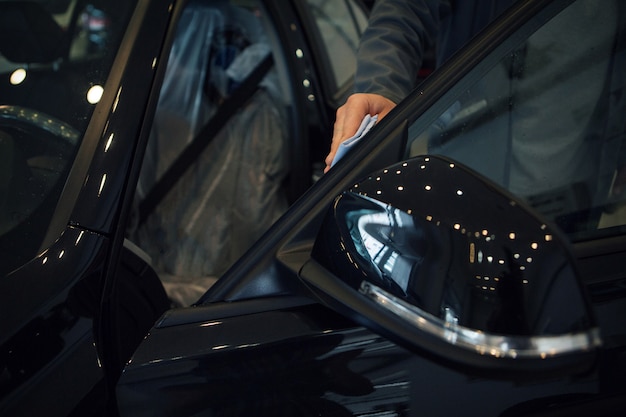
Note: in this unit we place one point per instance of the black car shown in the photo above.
(183, 127)
(465, 258)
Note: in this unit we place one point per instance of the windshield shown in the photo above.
(55, 56)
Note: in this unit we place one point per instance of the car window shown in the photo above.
(340, 24)
(194, 222)
(55, 57)
(545, 120)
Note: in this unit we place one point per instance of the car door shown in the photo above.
(290, 329)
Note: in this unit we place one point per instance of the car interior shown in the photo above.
(195, 221)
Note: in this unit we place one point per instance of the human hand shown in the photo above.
(350, 115)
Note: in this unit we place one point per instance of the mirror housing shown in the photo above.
(437, 258)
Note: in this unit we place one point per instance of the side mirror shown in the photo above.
(431, 255)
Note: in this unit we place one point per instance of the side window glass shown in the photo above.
(213, 173)
(340, 24)
(547, 121)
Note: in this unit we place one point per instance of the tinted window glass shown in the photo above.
(546, 121)
(340, 24)
(231, 187)
(55, 57)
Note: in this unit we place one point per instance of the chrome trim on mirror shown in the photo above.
(500, 346)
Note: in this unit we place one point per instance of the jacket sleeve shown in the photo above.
(392, 47)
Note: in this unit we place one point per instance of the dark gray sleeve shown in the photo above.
(392, 47)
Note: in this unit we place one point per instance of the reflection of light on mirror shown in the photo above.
(459, 192)
(400, 188)
(534, 245)
(398, 172)
(18, 76)
(490, 259)
(427, 187)
(391, 262)
(429, 218)
(451, 165)
(350, 259)
(522, 268)
(379, 192)
(377, 178)
(456, 226)
(422, 166)
(548, 238)
(501, 261)
(94, 94)
(516, 255)
(524, 281)
(512, 235)
(529, 260)
(485, 232)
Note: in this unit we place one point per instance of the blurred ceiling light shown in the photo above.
(18, 76)
(95, 94)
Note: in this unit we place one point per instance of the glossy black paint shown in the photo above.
(73, 315)
(215, 346)
(286, 356)
(420, 232)
(262, 341)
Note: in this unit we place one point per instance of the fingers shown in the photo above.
(349, 117)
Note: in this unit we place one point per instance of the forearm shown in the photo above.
(392, 47)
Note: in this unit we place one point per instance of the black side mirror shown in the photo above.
(441, 260)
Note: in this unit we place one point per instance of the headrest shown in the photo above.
(29, 34)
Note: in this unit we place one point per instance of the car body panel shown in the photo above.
(438, 384)
(261, 340)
